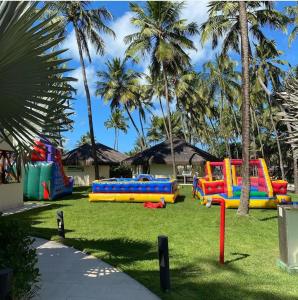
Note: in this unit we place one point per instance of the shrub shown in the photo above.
(16, 252)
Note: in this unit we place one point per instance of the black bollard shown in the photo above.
(5, 283)
(164, 265)
(60, 223)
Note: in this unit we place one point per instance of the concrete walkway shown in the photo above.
(69, 274)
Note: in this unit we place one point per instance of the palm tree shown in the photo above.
(226, 20)
(155, 89)
(34, 94)
(293, 13)
(119, 123)
(244, 200)
(87, 23)
(84, 139)
(157, 131)
(163, 36)
(223, 80)
(119, 86)
(266, 70)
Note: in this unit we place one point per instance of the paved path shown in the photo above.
(69, 274)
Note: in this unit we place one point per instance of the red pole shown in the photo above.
(221, 229)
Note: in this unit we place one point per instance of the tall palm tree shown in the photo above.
(226, 20)
(266, 70)
(224, 85)
(293, 13)
(119, 123)
(34, 95)
(119, 86)
(155, 89)
(244, 200)
(164, 37)
(87, 23)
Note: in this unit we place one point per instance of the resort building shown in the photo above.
(157, 160)
(80, 164)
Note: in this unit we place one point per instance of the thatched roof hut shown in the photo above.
(79, 162)
(157, 160)
(82, 155)
(185, 154)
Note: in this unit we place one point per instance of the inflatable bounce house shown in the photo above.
(44, 175)
(222, 181)
(142, 188)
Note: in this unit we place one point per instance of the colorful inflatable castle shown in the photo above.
(143, 188)
(222, 180)
(44, 175)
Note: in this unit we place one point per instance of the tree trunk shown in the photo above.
(142, 129)
(88, 98)
(228, 152)
(243, 209)
(169, 120)
(164, 119)
(259, 132)
(253, 137)
(115, 138)
(281, 164)
(135, 126)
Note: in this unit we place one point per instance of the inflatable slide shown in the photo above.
(222, 180)
(44, 176)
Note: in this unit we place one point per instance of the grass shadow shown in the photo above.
(116, 251)
(180, 198)
(240, 257)
(268, 218)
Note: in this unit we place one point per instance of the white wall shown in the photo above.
(160, 169)
(85, 175)
(11, 196)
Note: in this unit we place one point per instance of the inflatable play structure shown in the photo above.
(44, 175)
(222, 181)
(142, 188)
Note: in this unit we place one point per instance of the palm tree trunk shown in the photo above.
(164, 118)
(169, 120)
(142, 129)
(281, 164)
(253, 135)
(228, 152)
(259, 132)
(115, 138)
(88, 98)
(243, 209)
(135, 126)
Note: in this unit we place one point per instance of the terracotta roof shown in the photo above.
(82, 155)
(185, 153)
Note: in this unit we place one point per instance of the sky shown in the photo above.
(194, 11)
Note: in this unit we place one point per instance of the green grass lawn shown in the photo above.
(125, 235)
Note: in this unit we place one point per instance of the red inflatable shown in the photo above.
(154, 205)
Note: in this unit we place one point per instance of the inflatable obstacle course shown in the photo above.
(44, 175)
(222, 181)
(143, 188)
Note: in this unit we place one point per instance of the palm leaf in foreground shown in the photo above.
(31, 80)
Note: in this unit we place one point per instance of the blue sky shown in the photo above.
(194, 11)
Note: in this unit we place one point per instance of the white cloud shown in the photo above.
(114, 47)
(194, 11)
(197, 11)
